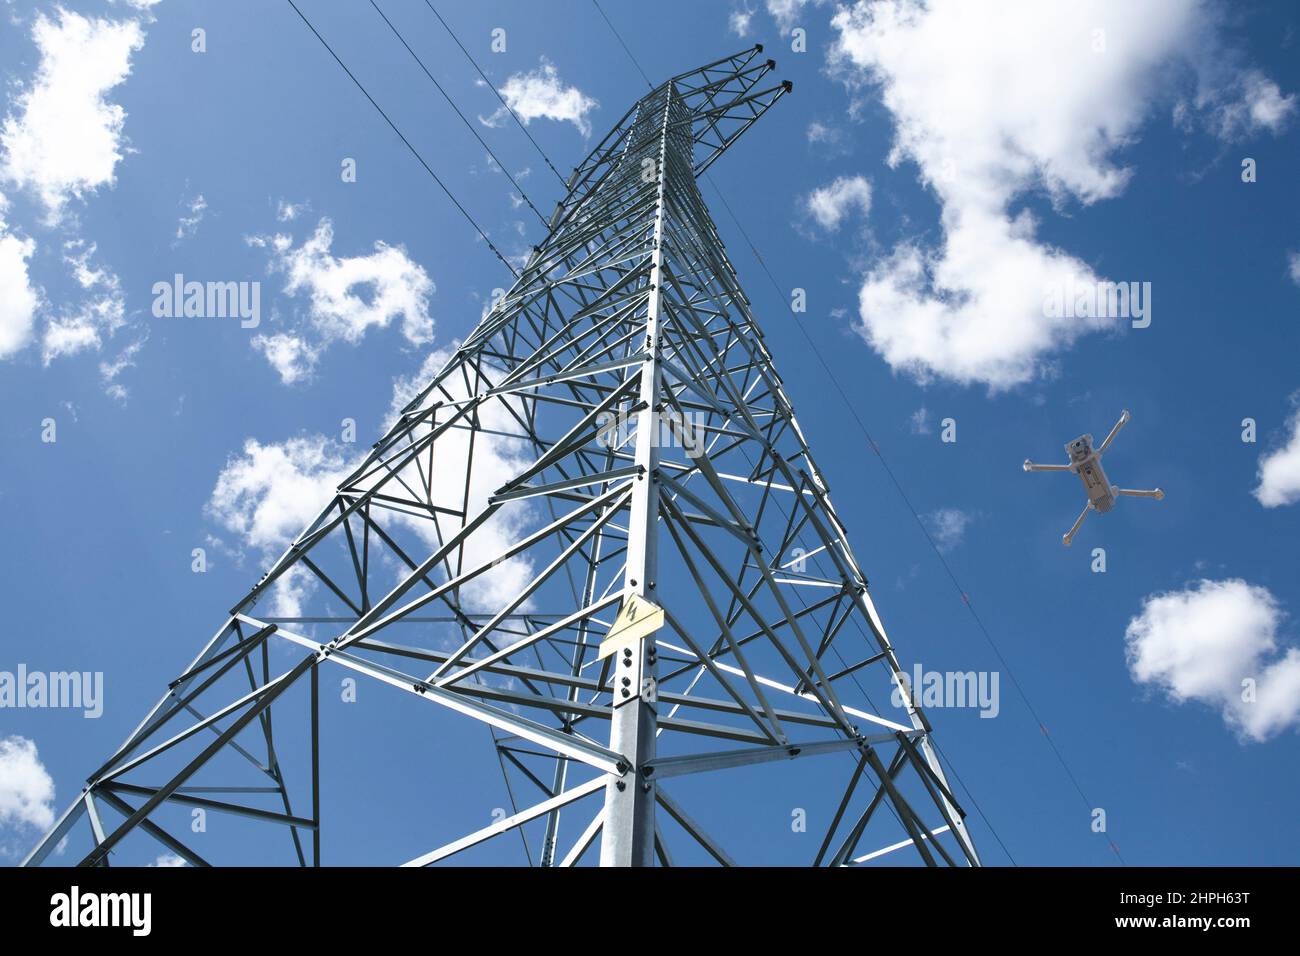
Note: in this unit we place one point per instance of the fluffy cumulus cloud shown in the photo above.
(347, 296)
(541, 94)
(61, 141)
(268, 493)
(1279, 470)
(292, 356)
(1216, 643)
(985, 110)
(19, 300)
(26, 789)
(64, 138)
(830, 205)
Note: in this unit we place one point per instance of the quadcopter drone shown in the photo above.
(1085, 461)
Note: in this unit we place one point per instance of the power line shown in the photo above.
(863, 691)
(965, 597)
(552, 167)
(492, 87)
(952, 768)
(465, 213)
(619, 37)
(452, 103)
(899, 488)
(414, 152)
(961, 783)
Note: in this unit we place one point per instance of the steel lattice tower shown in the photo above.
(612, 434)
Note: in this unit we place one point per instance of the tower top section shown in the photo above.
(722, 99)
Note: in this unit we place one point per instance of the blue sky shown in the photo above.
(933, 173)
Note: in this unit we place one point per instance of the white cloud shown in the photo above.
(1205, 642)
(396, 288)
(1239, 105)
(98, 316)
(919, 421)
(828, 138)
(270, 492)
(169, 860)
(947, 526)
(65, 138)
(26, 789)
(188, 224)
(1268, 108)
(831, 204)
(1293, 267)
(541, 94)
(740, 20)
(786, 13)
(287, 211)
(1279, 471)
(266, 495)
(292, 356)
(497, 459)
(399, 287)
(110, 370)
(18, 299)
(289, 594)
(973, 314)
(982, 106)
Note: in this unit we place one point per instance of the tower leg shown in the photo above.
(628, 835)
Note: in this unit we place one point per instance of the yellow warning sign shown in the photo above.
(636, 619)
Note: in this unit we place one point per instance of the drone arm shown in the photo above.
(1155, 493)
(1069, 535)
(1124, 416)
(1030, 466)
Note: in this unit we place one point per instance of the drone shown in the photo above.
(1085, 461)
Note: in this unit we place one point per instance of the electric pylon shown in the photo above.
(599, 531)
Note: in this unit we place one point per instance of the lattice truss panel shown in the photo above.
(615, 426)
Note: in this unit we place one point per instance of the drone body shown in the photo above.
(1085, 461)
